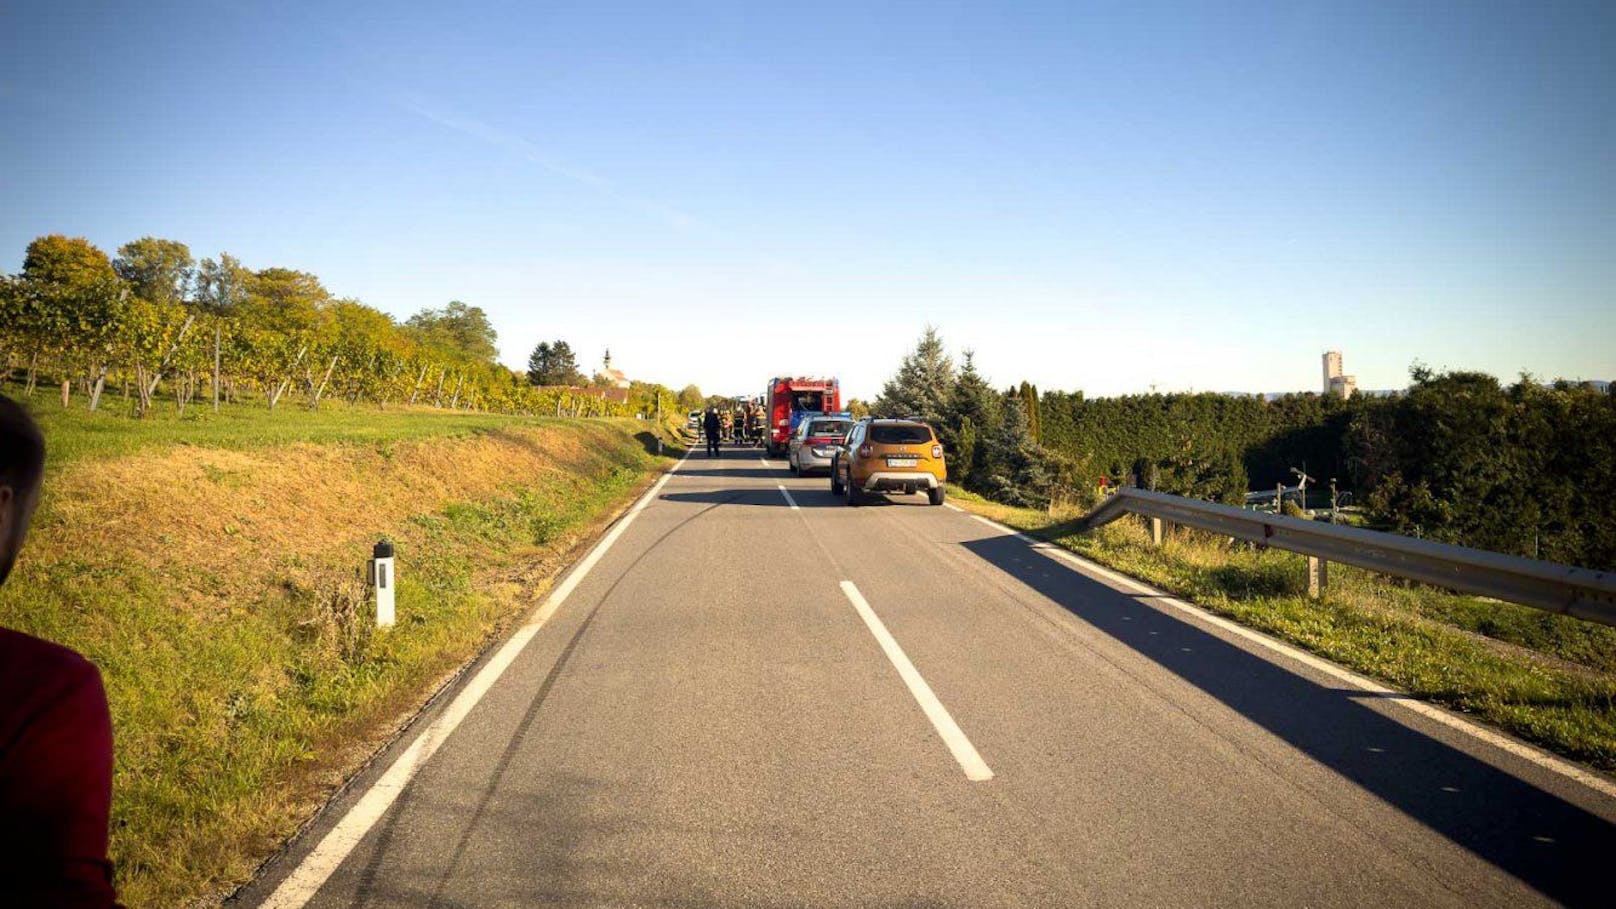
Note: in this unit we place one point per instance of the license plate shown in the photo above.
(902, 462)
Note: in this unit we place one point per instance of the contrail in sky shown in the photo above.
(533, 154)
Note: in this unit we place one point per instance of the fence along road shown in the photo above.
(712, 719)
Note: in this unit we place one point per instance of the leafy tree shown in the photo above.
(221, 285)
(159, 271)
(71, 314)
(922, 384)
(553, 364)
(456, 329)
(151, 336)
(648, 397)
(75, 300)
(285, 300)
(1524, 469)
(690, 398)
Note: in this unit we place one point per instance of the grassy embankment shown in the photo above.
(209, 566)
(1546, 678)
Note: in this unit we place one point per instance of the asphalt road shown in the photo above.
(710, 720)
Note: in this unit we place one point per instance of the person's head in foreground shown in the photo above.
(55, 731)
(22, 464)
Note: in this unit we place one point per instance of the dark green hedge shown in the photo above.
(1524, 469)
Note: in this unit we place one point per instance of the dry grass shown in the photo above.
(214, 588)
(228, 512)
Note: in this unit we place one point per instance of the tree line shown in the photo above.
(162, 326)
(1526, 468)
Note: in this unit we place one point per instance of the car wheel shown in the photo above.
(796, 469)
(854, 497)
(936, 494)
(835, 480)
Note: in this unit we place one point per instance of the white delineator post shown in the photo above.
(383, 579)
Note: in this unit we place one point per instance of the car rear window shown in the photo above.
(829, 427)
(900, 434)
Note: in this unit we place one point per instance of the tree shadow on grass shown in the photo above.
(649, 441)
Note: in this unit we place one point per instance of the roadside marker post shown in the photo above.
(383, 578)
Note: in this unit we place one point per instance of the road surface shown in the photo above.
(758, 696)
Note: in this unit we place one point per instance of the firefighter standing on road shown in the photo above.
(710, 426)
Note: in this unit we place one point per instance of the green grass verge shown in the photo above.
(233, 719)
(76, 435)
(1546, 678)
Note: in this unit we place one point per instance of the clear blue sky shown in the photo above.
(1096, 196)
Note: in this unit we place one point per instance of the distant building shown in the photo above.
(1334, 382)
(614, 376)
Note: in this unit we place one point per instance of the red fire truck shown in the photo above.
(788, 398)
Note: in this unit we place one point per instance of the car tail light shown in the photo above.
(937, 451)
(864, 451)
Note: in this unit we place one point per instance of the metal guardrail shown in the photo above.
(1565, 589)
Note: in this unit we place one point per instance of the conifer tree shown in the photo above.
(922, 385)
(973, 402)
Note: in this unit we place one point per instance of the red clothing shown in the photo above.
(55, 777)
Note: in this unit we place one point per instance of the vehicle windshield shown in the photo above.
(807, 400)
(829, 427)
(900, 434)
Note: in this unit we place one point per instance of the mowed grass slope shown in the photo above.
(1546, 678)
(211, 571)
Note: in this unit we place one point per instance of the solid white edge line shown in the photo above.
(789, 500)
(964, 752)
(1529, 753)
(311, 873)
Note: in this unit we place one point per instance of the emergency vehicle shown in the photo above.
(788, 398)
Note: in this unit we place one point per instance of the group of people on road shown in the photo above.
(740, 425)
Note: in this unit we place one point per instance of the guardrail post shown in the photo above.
(1318, 575)
(1155, 531)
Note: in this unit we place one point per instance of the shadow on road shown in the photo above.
(1552, 845)
(741, 470)
(759, 496)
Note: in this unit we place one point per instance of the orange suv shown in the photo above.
(889, 456)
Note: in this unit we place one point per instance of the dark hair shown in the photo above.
(22, 449)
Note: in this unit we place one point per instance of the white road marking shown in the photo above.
(1532, 755)
(969, 760)
(789, 500)
(310, 874)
